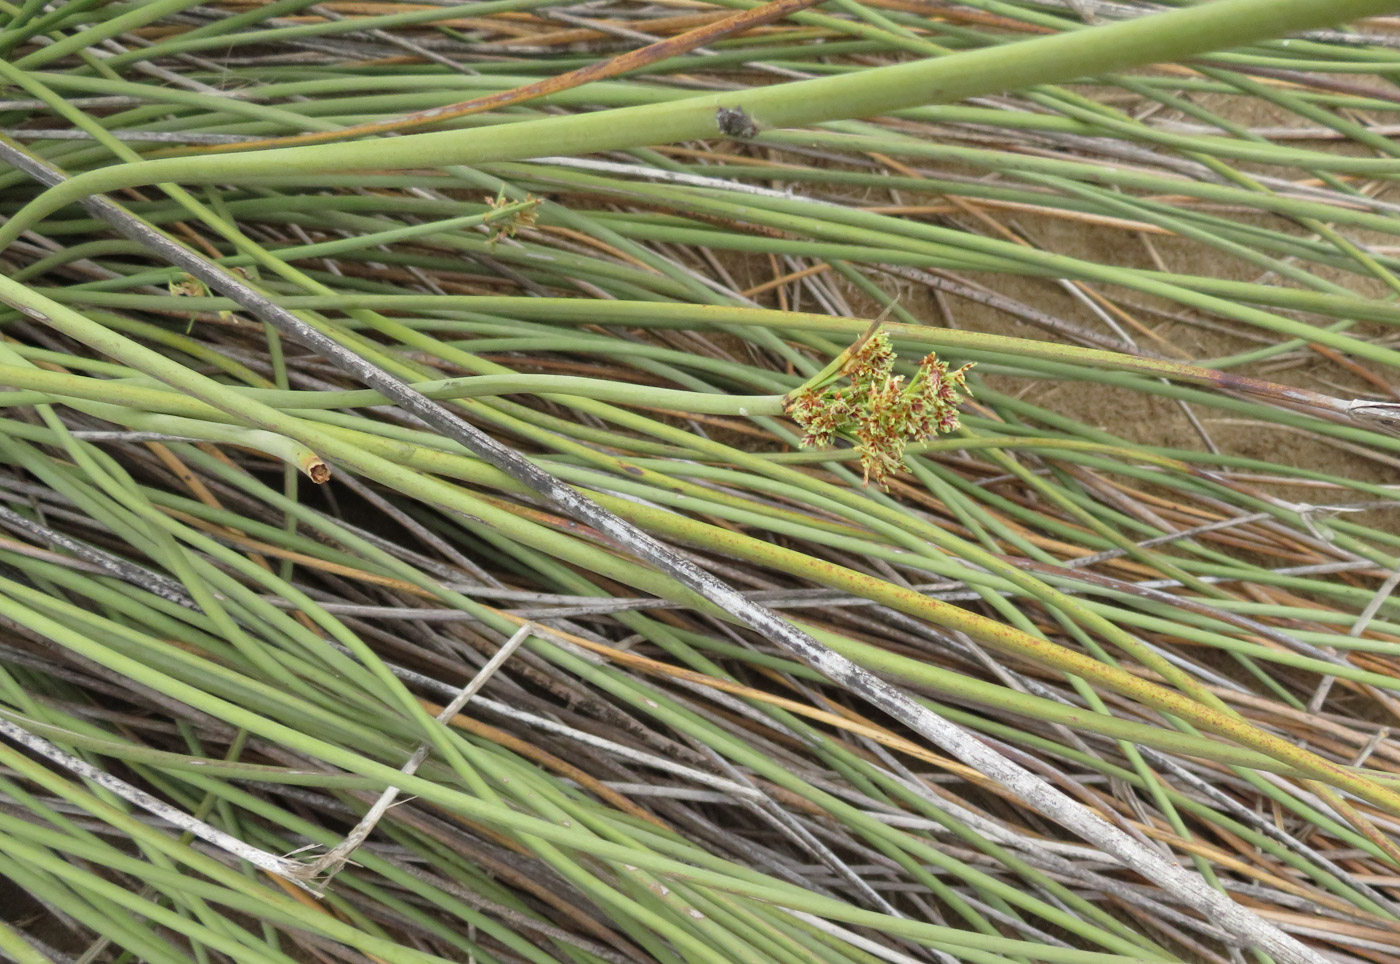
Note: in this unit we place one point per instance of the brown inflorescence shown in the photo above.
(878, 410)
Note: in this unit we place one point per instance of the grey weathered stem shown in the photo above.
(261, 859)
(1188, 887)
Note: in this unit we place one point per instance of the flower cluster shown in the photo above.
(187, 285)
(879, 411)
(517, 215)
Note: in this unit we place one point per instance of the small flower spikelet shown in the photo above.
(878, 410)
(522, 217)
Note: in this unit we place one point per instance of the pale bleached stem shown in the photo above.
(326, 866)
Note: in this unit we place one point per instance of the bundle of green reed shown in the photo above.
(456, 504)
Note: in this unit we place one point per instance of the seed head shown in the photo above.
(878, 411)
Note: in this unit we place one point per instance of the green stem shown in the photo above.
(1174, 35)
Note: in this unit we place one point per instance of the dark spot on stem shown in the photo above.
(735, 123)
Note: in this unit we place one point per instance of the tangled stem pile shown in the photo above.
(243, 594)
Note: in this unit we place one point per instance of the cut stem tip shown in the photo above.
(1381, 416)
